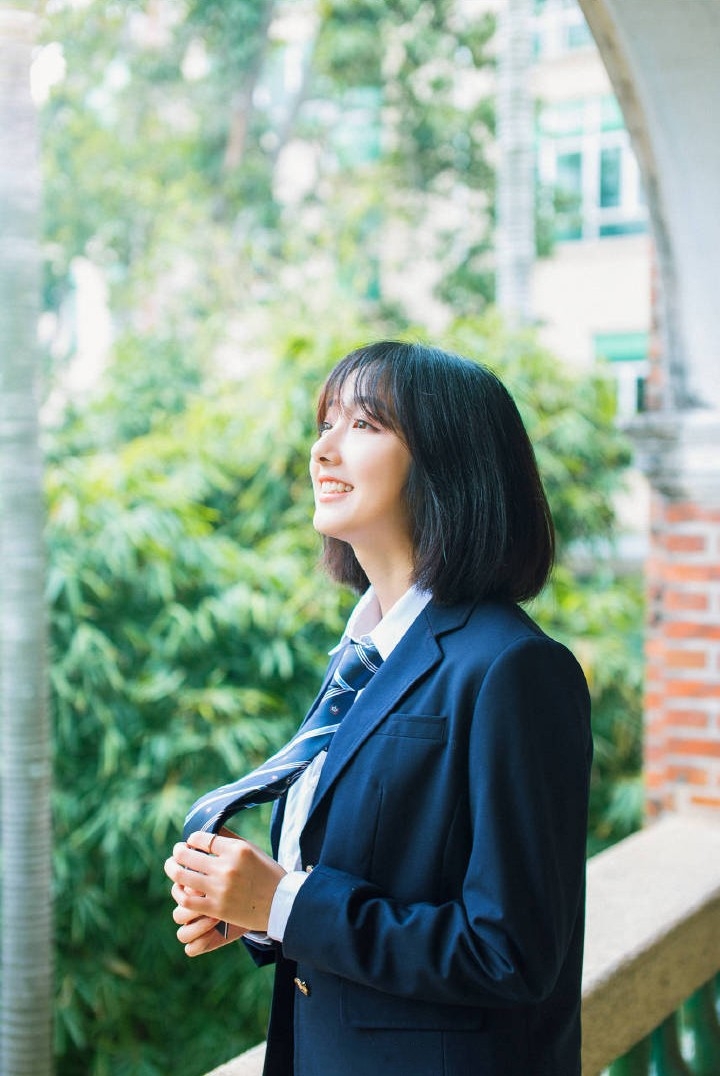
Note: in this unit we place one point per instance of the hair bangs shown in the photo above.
(373, 389)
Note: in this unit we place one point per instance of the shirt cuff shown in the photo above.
(282, 903)
(257, 938)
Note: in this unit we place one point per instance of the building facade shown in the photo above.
(591, 294)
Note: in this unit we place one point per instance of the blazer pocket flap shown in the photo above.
(414, 726)
(364, 1007)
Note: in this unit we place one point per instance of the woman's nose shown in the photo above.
(325, 448)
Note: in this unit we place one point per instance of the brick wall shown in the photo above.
(682, 700)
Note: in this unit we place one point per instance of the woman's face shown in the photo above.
(359, 471)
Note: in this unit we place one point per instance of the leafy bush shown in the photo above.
(188, 631)
(189, 628)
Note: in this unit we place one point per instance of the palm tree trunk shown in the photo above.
(515, 233)
(26, 993)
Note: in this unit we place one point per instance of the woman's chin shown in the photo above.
(324, 526)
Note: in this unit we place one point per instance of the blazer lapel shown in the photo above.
(416, 653)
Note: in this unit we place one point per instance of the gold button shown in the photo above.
(302, 986)
(308, 868)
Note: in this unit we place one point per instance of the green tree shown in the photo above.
(166, 144)
(188, 621)
(412, 75)
(189, 628)
(590, 604)
(26, 1000)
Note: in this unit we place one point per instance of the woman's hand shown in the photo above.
(222, 878)
(198, 933)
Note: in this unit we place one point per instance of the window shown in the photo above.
(567, 201)
(559, 27)
(610, 177)
(588, 170)
(627, 355)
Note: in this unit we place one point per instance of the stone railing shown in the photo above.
(652, 943)
(652, 938)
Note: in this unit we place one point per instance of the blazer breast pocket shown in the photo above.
(414, 726)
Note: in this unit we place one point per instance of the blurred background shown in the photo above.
(235, 193)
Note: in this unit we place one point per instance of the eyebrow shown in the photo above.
(340, 404)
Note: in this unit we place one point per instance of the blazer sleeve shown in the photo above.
(505, 935)
(261, 955)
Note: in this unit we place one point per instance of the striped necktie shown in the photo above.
(268, 782)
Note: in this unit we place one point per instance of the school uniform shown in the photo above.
(438, 930)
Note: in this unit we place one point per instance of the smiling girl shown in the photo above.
(425, 905)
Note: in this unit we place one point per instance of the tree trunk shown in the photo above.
(26, 993)
(515, 234)
(242, 102)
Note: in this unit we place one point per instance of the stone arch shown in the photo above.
(662, 61)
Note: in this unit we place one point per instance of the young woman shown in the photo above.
(425, 910)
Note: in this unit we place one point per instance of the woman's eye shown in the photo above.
(362, 424)
(323, 427)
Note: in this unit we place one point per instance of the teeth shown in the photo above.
(335, 487)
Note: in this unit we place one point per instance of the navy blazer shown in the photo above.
(440, 929)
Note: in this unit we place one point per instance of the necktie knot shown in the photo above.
(358, 662)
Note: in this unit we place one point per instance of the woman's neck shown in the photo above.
(389, 581)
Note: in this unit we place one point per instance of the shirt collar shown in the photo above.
(385, 631)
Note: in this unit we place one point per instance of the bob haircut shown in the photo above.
(480, 522)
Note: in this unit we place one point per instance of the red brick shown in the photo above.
(686, 659)
(687, 775)
(686, 543)
(655, 752)
(654, 675)
(685, 599)
(696, 689)
(654, 565)
(654, 778)
(689, 513)
(684, 629)
(692, 573)
(700, 748)
(688, 718)
(678, 512)
(705, 801)
(654, 648)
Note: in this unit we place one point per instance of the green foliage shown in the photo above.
(591, 605)
(427, 45)
(166, 174)
(422, 61)
(145, 378)
(188, 621)
(189, 626)
(188, 632)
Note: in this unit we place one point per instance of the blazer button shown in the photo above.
(308, 868)
(302, 986)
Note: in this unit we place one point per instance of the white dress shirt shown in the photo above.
(385, 632)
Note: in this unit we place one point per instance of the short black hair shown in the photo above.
(481, 524)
